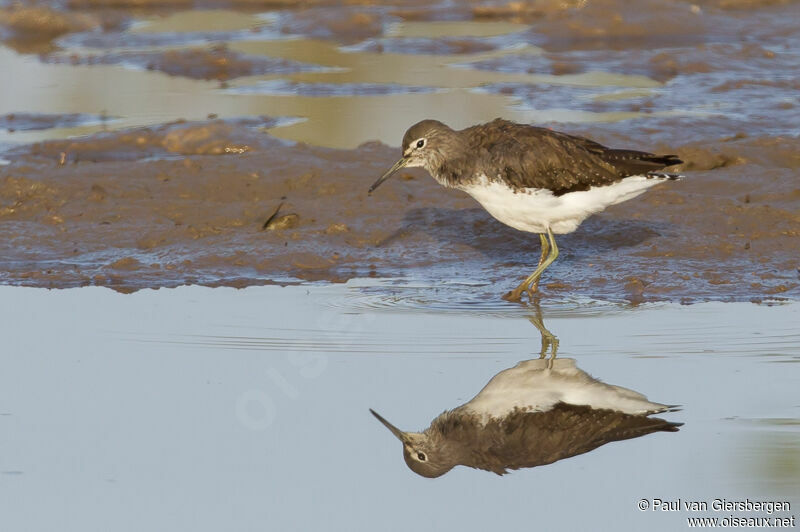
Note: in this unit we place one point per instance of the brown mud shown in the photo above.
(249, 199)
(76, 215)
(215, 63)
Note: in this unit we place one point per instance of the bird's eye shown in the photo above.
(421, 457)
(420, 143)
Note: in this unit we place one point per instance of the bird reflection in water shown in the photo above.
(536, 413)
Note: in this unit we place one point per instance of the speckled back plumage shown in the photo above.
(524, 156)
(528, 439)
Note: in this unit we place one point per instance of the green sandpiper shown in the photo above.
(531, 178)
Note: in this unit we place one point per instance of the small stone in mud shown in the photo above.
(287, 221)
(561, 68)
(336, 228)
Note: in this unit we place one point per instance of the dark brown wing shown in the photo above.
(535, 157)
(529, 439)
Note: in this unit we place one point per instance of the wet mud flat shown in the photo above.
(218, 203)
(246, 157)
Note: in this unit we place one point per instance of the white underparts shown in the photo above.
(534, 210)
(538, 385)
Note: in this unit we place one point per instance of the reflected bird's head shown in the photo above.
(425, 144)
(419, 452)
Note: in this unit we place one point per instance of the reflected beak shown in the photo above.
(399, 434)
(397, 166)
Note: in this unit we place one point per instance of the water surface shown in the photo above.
(208, 409)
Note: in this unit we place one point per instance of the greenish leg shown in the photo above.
(549, 254)
(534, 277)
(516, 294)
(545, 250)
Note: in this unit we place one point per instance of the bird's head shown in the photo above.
(420, 453)
(424, 144)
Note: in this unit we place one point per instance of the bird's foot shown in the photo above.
(515, 296)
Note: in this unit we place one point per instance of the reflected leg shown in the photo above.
(549, 340)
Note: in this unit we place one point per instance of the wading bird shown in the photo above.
(531, 178)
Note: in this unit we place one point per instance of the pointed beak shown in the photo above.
(399, 434)
(397, 166)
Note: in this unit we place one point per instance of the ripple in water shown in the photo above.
(455, 298)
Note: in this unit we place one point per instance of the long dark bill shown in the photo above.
(399, 434)
(397, 166)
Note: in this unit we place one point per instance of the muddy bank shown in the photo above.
(214, 63)
(45, 22)
(31, 28)
(651, 40)
(193, 205)
(578, 23)
(215, 137)
(216, 201)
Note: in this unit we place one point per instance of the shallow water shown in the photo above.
(208, 409)
(335, 117)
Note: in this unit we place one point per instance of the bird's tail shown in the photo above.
(643, 157)
(665, 176)
(666, 160)
(631, 162)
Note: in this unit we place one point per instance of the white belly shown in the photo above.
(534, 210)
(535, 386)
